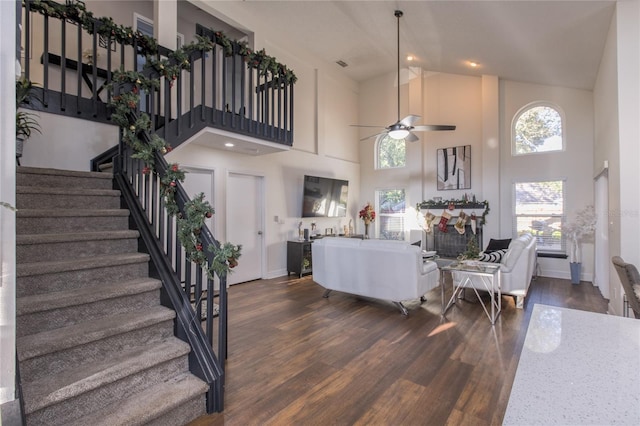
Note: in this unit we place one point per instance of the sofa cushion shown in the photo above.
(512, 256)
(497, 245)
(495, 256)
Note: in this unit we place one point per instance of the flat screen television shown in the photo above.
(324, 197)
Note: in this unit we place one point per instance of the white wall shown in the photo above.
(575, 164)
(7, 195)
(624, 190)
(283, 174)
(439, 99)
(67, 143)
(607, 148)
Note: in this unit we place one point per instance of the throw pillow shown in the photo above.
(495, 256)
(497, 245)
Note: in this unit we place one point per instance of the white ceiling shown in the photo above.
(546, 42)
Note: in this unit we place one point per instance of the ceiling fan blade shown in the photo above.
(409, 120)
(433, 127)
(372, 136)
(411, 138)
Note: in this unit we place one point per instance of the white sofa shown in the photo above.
(381, 269)
(517, 268)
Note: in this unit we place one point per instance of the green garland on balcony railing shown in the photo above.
(148, 46)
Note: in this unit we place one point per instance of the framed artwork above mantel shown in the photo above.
(454, 167)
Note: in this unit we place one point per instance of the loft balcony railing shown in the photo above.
(73, 65)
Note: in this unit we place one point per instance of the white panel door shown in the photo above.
(245, 218)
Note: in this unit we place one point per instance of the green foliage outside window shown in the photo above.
(391, 153)
(538, 129)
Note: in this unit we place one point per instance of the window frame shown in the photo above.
(528, 107)
(562, 251)
(379, 142)
(380, 214)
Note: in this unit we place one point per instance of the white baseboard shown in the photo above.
(562, 274)
(275, 274)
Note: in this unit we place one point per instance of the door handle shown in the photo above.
(259, 232)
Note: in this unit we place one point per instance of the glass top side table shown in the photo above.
(477, 276)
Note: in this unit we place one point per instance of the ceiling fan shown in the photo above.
(403, 129)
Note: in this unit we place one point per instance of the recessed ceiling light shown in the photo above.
(410, 57)
(229, 145)
(473, 64)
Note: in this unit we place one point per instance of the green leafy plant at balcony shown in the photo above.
(26, 122)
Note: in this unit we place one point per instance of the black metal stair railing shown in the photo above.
(74, 64)
(181, 278)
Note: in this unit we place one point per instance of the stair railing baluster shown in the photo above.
(63, 70)
(79, 67)
(94, 68)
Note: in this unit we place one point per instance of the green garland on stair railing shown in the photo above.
(189, 229)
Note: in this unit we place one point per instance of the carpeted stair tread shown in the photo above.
(67, 237)
(47, 342)
(41, 268)
(63, 299)
(83, 378)
(49, 190)
(148, 405)
(59, 172)
(45, 213)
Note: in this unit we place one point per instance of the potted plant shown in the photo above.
(577, 232)
(25, 121)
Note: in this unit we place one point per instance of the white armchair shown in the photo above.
(517, 268)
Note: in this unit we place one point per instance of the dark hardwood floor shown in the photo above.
(296, 358)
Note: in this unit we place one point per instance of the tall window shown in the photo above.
(390, 153)
(539, 209)
(390, 218)
(537, 128)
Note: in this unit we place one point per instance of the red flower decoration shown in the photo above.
(367, 213)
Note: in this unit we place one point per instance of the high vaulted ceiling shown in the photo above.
(546, 42)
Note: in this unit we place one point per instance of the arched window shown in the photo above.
(537, 128)
(390, 153)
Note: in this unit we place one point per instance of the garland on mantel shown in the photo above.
(456, 203)
(226, 256)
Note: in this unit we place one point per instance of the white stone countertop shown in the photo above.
(577, 368)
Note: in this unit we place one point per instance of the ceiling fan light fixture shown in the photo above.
(398, 134)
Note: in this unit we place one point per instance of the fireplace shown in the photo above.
(451, 243)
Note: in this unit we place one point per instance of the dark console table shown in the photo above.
(299, 257)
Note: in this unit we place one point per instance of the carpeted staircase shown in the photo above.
(95, 347)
